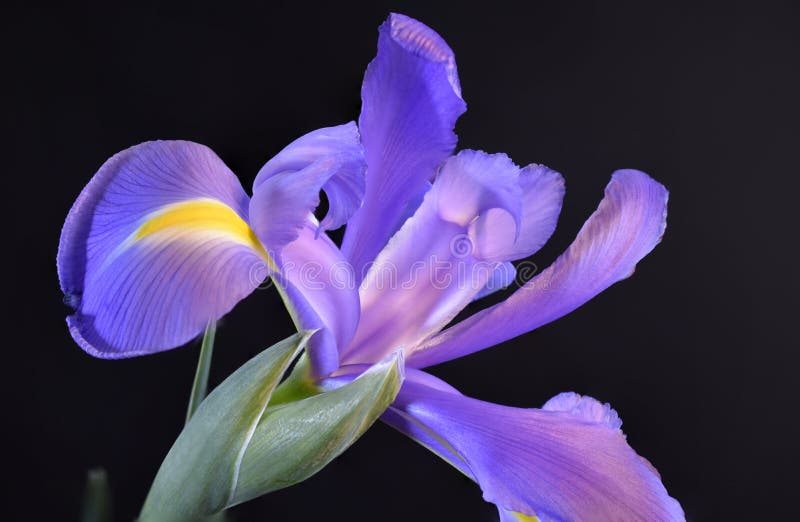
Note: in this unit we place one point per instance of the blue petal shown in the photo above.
(411, 100)
(431, 268)
(320, 290)
(317, 283)
(452, 250)
(155, 247)
(568, 461)
(627, 225)
(286, 190)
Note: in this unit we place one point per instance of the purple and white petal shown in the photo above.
(155, 247)
(319, 288)
(431, 268)
(627, 225)
(567, 461)
(411, 99)
(286, 189)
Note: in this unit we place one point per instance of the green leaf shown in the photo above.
(200, 385)
(97, 497)
(294, 440)
(199, 474)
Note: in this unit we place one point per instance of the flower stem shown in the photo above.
(200, 385)
(97, 497)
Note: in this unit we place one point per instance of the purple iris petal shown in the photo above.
(449, 253)
(287, 187)
(431, 268)
(320, 289)
(411, 100)
(627, 225)
(155, 247)
(567, 461)
(317, 283)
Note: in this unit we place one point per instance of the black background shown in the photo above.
(697, 351)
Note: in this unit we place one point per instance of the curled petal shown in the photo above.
(627, 225)
(472, 183)
(411, 99)
(155, 247)
(519, 223)
(542, 194)
(286, 190)
(553, 463)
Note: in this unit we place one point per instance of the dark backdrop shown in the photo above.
(697, 351)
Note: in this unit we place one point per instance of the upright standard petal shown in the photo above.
(627, 225)
(411, 100)
(155, 247)
(431, 268)
(567, 461)
(286, 189)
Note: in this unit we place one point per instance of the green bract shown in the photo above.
(235, 447)
(295, 440)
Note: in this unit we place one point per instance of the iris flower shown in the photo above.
(164, 239)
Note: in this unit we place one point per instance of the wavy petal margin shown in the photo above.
(567, 461)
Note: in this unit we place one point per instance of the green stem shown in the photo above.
(200, 385)
(97, 497)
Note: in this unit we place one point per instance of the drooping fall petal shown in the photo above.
(566, 461)
(155, 247)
